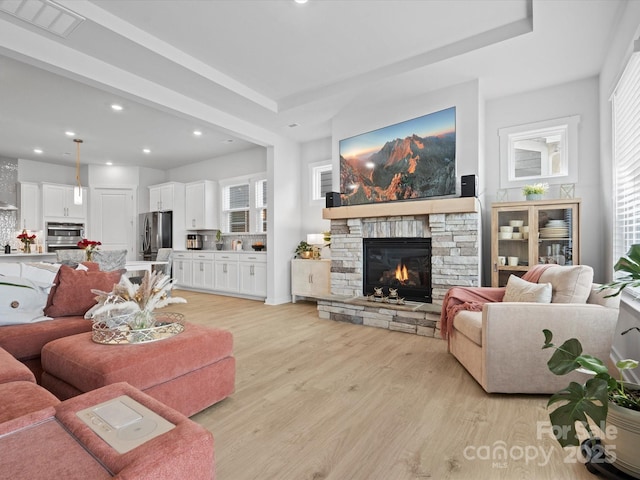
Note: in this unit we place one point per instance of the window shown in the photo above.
(538, 151)
(321, 181)
(626, 158)
(244, 205)
(261, 205)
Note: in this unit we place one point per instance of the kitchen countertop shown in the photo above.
(14, 255)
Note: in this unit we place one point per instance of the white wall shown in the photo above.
(575, 98)
(317, 151)
(237, 164)
(31, 171)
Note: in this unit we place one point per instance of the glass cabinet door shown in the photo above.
(556, 235)
(512, 256)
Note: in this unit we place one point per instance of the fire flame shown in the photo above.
(401, 273)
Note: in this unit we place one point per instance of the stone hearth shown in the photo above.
(454, 228)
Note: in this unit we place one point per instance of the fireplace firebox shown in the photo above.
(398, 263)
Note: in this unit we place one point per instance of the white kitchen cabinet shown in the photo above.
(57, 203)
(200, 206)
(310, 278)
(202, 270)
(226, 272)
(253, 274)
(182, 268)
(30, 206)
(165, 196)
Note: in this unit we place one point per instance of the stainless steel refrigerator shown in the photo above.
(155, 233)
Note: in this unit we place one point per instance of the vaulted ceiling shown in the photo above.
(245, 72)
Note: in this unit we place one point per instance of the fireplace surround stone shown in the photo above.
(454, 228)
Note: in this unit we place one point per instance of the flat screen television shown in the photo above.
(409, 160)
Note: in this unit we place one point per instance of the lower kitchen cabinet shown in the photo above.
(253, 274)
(229, 273)
(225, 267)
(181, 269)
(202, 270)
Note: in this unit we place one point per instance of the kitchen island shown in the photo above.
(27, 257)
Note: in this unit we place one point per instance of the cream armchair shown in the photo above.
(501, 346)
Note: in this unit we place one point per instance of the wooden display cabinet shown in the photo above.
(550, 233)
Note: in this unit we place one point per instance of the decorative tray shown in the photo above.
(167, 325)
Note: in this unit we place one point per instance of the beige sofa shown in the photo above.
(501, 346)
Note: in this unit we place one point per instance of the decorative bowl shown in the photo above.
(258, 248)
(516, 223)
(506, 229)
(505, 235)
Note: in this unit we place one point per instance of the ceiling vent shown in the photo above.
(44, 14)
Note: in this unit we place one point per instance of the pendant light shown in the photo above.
(77, 190)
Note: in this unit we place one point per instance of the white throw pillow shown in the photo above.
(40, 272)
(21, 301)
(519, 290)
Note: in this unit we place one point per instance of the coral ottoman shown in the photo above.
(188, 372)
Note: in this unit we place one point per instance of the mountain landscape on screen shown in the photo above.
(401, 168)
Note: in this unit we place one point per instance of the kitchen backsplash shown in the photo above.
(209, 240)
(8, 185)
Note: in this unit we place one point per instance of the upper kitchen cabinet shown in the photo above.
(57, 203)
(201, 212)
(30, 206)
(165, 197)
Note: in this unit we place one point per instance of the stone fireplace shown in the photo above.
(452, 226)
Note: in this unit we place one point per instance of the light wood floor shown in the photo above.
(317, 399)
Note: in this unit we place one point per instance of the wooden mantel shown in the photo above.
(409, 207)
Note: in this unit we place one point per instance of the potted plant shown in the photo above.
(535, 191)
(612, 404)
(629, 265)
(304, 250)
(219, 242)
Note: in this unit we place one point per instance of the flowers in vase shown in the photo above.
(135, 303)
(26, 240)
(89, 246)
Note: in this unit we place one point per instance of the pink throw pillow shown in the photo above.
(71, 295)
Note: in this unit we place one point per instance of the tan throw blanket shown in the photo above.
(473, 298)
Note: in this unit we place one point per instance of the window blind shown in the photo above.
(626, 157)
(325, 182)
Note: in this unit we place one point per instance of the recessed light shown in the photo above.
(109, 163)
(197, 133)
(69, 133)
(301, 2)
(293, 125)
(116, 107)
(37, 150)
(146, 150)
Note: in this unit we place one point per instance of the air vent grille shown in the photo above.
(44, 14)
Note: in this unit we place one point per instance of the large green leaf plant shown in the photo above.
(590, 400)
(630, 266)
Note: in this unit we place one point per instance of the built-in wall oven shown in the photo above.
(63, 236)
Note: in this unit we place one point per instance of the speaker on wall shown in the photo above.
(468, 186)
(333, 199)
